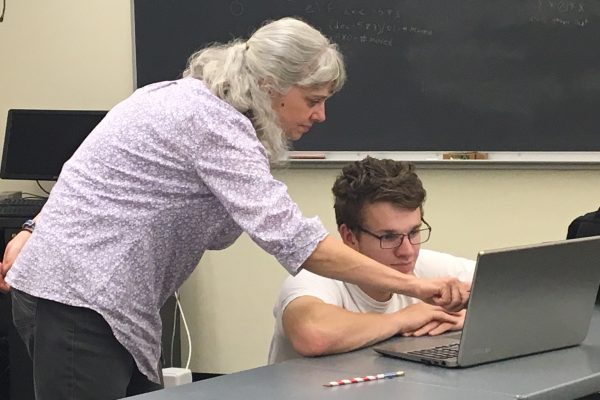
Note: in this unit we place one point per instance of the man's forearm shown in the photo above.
(315, 328)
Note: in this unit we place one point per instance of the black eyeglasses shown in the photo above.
(393, 240)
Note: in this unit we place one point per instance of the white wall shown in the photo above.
(75, 54)
(63, 54)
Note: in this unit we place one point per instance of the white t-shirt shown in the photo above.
(430, 264)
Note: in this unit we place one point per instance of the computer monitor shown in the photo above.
(38, 142)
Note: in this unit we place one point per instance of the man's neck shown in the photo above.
(375, 294)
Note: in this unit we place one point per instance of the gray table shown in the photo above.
(563, 374)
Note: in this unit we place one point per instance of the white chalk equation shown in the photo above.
(339, 8)
(562, 6)
(371, 33)
(560, 21)
(561, 13)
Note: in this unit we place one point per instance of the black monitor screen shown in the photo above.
(38, 142)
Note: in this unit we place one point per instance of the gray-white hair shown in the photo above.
(281, 54)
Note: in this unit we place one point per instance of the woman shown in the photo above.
(178, 168)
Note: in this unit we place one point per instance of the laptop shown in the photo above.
(524, 300)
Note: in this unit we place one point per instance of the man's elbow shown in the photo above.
(311, 342)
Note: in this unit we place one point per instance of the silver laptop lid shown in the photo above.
(530, 299)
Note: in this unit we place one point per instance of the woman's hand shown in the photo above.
(13, 248)
(449, 293)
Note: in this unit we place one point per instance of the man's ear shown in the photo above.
(348, 237)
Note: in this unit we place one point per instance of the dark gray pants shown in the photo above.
(75, 355)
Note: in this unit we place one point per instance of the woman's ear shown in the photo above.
(265, 85)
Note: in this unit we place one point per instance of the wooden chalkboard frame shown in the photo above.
(380, 38)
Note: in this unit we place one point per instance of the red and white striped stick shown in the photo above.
(367, 378)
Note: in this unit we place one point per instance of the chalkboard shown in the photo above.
(424, 75)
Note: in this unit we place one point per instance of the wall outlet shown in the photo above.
(176, 376)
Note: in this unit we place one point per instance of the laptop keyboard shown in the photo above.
(440, 352)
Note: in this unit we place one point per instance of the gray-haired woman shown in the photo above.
(177, 168)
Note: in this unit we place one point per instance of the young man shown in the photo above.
(379, 212)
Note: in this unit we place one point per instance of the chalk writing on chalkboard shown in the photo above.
(424, 75)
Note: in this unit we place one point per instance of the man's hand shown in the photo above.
(431, 320)
(449, 293)
(424, 319)
(13, 248)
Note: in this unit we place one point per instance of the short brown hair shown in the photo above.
(371, 180)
